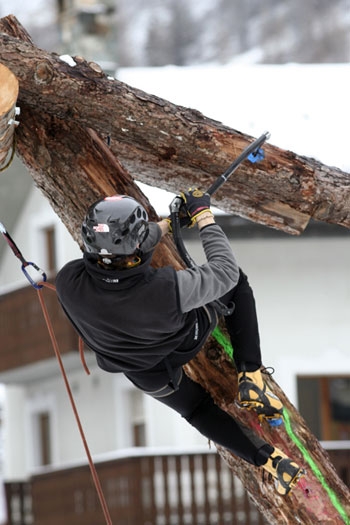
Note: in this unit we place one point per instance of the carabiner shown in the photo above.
(28, 276)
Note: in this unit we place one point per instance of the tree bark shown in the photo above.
(67, 113)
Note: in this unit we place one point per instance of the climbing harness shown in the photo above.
(38, 286)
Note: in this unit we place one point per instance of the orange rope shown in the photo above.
(81, 342)
(82, 356)
(70, 395)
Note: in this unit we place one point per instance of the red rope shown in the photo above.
(82, 356)
(70, 395)
(81, 342)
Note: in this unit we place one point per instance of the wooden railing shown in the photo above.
(19, 503)
(142, 488)
(165, 489)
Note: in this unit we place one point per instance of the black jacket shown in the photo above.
(133, 319)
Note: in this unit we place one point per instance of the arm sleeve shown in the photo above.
(210, 281)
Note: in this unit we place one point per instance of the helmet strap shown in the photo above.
(135, 262)
(120, 263)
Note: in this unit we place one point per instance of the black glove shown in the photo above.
(196, 202)
(184, 219)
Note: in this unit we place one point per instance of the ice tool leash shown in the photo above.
(38, 285)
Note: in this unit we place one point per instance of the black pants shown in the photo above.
(196, 405)
(242, 325)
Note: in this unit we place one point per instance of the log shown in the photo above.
(63, 142)
(8, 98)
(166, 145)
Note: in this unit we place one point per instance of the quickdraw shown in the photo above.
(25, 263)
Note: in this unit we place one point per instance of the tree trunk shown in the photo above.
(67, 113)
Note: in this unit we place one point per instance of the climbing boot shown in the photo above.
(253, 394)
(285, 471)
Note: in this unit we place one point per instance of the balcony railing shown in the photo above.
(143, 488)
(23, 333)
(165, 489)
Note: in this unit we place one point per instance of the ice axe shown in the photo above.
(253, 153)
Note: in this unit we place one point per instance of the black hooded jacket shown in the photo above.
(133, 319)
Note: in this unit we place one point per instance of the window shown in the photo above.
(139, 435)
(324, 402)
(50, 247)
(137, 419)
(44, 443)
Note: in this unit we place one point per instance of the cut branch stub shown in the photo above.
(8, 99)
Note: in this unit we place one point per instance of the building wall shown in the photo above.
(34, 217)
(302, 292)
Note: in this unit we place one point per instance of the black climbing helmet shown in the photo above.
(114, 225)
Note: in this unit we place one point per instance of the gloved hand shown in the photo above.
(185, 220)
(196, 202)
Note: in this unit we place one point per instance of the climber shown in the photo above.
(147, 323)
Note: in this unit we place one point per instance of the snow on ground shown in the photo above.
(304, 107)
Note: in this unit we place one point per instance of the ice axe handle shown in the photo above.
(251, 149)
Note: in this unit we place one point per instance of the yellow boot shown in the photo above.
(285, 471)
(253, 394)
